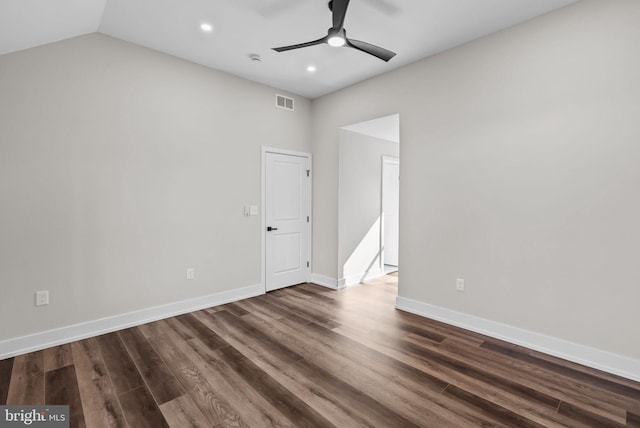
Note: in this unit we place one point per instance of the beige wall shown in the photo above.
(121, 167)
(520, 173)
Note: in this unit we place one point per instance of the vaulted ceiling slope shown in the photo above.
(414, 29)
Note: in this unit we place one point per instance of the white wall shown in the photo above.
(360, 186)
(120, 167)
(520, 174)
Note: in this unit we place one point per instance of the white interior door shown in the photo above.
(287, 197)
(390, 209)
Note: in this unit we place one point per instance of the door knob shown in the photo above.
(269, 228)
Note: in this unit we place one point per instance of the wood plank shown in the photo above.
(586, 418)
(6, 367)
(210, 400)
(611, 386)
(481, 374)
(205, 334)
(314, 294)
(405, 389)
(27, 380)
(450, 331)
(324, 314)
(87, 359)
(324, 402)
(292, 407)
(536, 412)
(318, 289)
(633, 420)
(521, 373)
(161, 382)
(230, 327)
(61, 388)
(99, 400)
(362, 407)
(497, 412)
(352, 373)
(122, 370)
(267, 311)
(57, 357)
(140, 409)
(256, 409)
(326, 406)
(568, 390)
(182, 412)
(234, 309)
(305, 313)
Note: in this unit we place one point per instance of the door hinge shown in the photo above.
(307, 219)
(307, 264)
(308, 172)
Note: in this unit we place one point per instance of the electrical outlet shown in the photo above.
(460, 284)
(42, 298)
(191, 273)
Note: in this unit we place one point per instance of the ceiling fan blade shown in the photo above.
(301, 45)
(384, 6)
(339, 9)
(374, 50)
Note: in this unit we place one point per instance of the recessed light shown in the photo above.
(336, 41)
(311, 69)
(206, 27)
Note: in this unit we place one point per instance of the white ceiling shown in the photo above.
(386, 128)
(414, 29)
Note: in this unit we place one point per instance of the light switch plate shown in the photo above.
(42, 298)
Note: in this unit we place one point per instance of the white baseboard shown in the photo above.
(585, 355)
(35, 342)
(352, 280)
(324, 281)
(342, 283)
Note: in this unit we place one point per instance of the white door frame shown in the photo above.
(386, 160)
(263, 221)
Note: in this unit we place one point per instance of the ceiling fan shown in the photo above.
(337, 36)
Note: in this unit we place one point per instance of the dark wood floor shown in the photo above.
(311, 357)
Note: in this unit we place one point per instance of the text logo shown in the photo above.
(34, 416)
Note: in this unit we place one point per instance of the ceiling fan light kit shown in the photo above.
(337, 36)
(336, 41)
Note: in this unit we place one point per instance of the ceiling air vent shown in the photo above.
(284, 102)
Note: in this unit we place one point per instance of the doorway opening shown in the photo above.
(368, 205)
